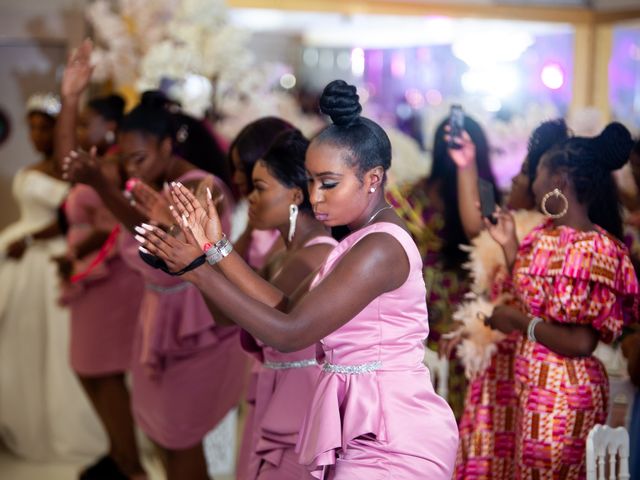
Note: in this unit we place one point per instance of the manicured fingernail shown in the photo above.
(184, 220)
(140, 239)
(209, 194)
(144, 250)
(140, 230)
(73, 153)
(171, 207)
(147, 227)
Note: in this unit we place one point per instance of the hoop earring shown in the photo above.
(558, 194)
(293, 218)
(109, 137)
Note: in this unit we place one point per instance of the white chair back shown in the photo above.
(439, 369)
(609, 443)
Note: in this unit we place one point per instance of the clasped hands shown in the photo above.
(199, 225)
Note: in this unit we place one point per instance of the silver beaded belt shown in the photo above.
(352, 369)
(162, 289)
(311, 362)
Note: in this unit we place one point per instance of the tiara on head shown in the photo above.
(45, 103)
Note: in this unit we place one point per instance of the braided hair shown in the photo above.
(588, 163)
(544, 137)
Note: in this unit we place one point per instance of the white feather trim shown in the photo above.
(485, 260)
(485, 255)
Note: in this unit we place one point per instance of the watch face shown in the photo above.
(4, 126)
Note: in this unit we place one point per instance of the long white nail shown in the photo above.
(146, 226)
(140, 239)
(209, 194)
(144, 250)
(184, 220)
(140, 230)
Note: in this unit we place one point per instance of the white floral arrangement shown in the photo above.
(189, 49)
(143, 44)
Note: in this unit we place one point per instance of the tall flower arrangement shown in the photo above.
(145, 44)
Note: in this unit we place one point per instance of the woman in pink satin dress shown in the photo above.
(285, 381)
(374, 413)
(102, 292)
(254, 245)
(187, 371)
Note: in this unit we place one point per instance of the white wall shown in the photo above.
(34, 40)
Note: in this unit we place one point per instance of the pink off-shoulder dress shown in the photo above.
(187, 371)
(284, 386)
(374, 414)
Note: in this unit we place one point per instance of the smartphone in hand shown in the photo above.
(456, 126)
(487, 200)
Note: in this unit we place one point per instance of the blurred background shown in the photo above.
(510, 63)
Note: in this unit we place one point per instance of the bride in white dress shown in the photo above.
(43, 413)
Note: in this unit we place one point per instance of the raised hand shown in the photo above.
(82, 167)
(465, 155)
(78, 71)
(504, 233)
(151, 204)
(504, 230)
(175, 253)
(202, 225)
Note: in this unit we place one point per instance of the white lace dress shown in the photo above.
(43, 412)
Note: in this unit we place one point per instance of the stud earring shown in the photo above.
(372, 189)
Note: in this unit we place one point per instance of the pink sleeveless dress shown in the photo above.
(105, 294)
(187, 372)
(248, 463)
(374, 413)
(284, 387)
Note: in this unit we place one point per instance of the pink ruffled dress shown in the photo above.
(284, 386)
(247, 465)
(187, 371)
(105, 294)
(374, 414)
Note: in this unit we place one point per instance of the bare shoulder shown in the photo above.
(376, 253)
(314, 255)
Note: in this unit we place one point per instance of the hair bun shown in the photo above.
(340, 101)
(614, 146)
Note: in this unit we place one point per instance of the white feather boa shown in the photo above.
(485, 260)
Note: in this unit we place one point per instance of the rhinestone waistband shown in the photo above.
(162, 289)
(311, 362)
(352, 369)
